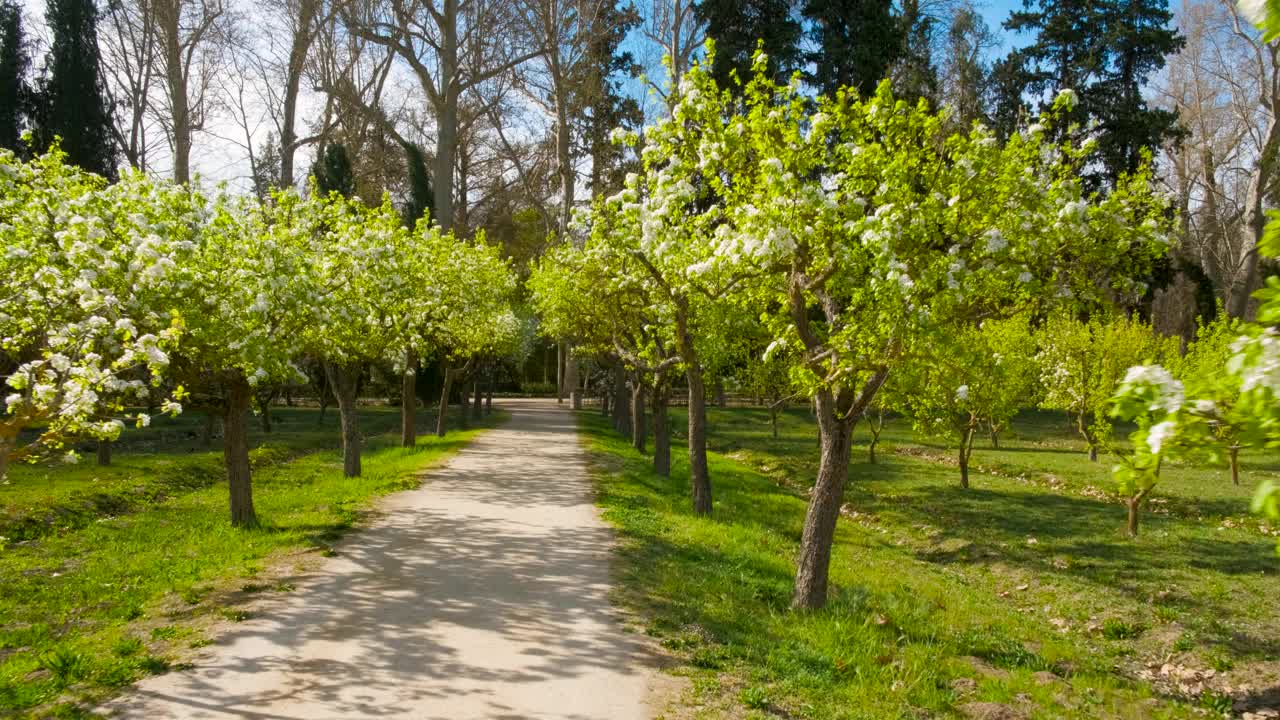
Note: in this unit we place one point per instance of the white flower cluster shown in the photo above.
(1169, 393)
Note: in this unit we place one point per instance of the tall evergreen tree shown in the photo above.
(857, 41)
(419, 203)
(73, 98)
(333, 172)
(15, 93)
(915, 76)
(739, 27)
(605, 103)
(1104, 50)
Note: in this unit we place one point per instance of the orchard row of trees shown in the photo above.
(861, 236)
(117, 291)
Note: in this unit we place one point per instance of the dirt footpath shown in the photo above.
(482, 594)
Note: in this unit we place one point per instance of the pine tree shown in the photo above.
(1104, 50)
(266, 167)
(73, 98)
(857, 41)
(15, 93)
(333, 172)
(419, 203)
(915, 76)
(739, 27)
(604, 102)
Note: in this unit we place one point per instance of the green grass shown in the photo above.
(1028, 571)
(115, 594)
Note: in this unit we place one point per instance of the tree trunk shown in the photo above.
(722, 400)
(618, 391)
(488, 395)
(1093, 452)
(639, 431)
(699, 474)
(773, 420)
(464, 414)
(1234, 452)
(661, 430)
(442, 414)
(206, 432)
(477, 400)
(409, 400)
(169, 17)
(560, 371)
(235, 451)
(298, 51)
(1133, 504)
(264, 411)
(813, 563)
(446, 115)
(966, 445)
(104, 453)
(344, 379)
(995, 439)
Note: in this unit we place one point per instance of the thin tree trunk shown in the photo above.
(104, 453)
(488, 395)
(206, 431)
(813, 563)
(560, 372)
(966, 446)
(699, 474)
(409, 400)
(639, 431)
(344, 379)
(442, 414)
(264, 411)
(1132, 505)
(464, 414)
(1234, 451)
(477, 400)
(235, 451)
(661, 429)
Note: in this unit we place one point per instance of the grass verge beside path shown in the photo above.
(914, 628)
(92, 609)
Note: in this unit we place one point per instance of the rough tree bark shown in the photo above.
(409, 400)
(344, 379)
(661, 429)
(699, 475)
(837, 415)
(235, 450)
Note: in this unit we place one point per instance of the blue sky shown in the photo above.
(996, 12)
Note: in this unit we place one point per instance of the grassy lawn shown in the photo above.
(117, 571)
(1020, 597)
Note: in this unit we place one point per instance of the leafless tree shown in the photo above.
(1225, 86)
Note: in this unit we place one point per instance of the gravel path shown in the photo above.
(482, 594)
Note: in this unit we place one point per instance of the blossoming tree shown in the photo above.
(868, 234)
(86, 313)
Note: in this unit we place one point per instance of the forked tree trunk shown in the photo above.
(104, 453)
(813, 563)
(637, 417)
(661, 430)
(442, 414)
(409, 400)
(477, 401)
(344, 379)
(235, 451)
(699, 474)
(1234, 452)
